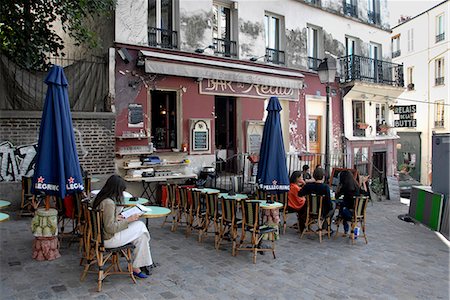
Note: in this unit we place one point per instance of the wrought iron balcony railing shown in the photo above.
(163, 38)
(225, 48)
(439, 81)
(440, 37)
(396, 53)
(373, 17)
(350, 9)
(313, 63)
(360, 68)
(275, 56)
(439, 123)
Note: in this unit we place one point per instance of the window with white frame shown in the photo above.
(439, 71)
(410, 39)
(380, 116)
(395, 44)
(409, 78)
(359, 124)
(273, 26)
(373, 11)
(439, 113)
(161, 24)
(313, 47)
(222, 30)
(440, 32)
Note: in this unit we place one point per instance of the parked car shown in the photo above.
(406, 182)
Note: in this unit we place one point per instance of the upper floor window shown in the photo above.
(439, 109)
(380, 116)
(409, 78)
(410, 39)
(395, 44)
(350, 8)
(160, 24)
(359, 124)
(313, 47)
(222, 31)
(373, 11)
(440, 32)
(439, 71)
(273, 39)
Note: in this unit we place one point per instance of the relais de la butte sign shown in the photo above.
(406, 116)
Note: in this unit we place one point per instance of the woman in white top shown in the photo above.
(118, 231)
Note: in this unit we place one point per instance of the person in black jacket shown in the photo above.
(348, 188)
(321, 189)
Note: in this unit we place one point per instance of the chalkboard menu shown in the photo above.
(334, 179)
(393, 188)
(135, 115)
(200, 136)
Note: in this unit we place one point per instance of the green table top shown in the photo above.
(4, 217)
(234, 197)
(156, 212)
(4, 203)
(127, 201)
(264, 205)
(207, 190)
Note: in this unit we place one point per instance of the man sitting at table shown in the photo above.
(319, 188)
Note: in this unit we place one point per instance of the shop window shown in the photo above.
(164, 119)
(359, 123)
(439, 109)
(361, 160)
(380, 116)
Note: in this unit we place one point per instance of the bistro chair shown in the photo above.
(196, 212)
(314, 217)
(172, 203)
(251, 223)
(26, 204)
(359, 216)
(283, 198)
(228, 225)
(183, 208)
(212, 215)
(236, 183)
(106, 259)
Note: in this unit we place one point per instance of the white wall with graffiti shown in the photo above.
(16, 161)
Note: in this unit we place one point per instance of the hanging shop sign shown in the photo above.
(406, 116)
(252, 90)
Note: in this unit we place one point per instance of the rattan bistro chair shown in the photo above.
(228, 224)
(106, 259)
(359, 216)
(314, 216)
(196, 212)
(183, 208)
(172, 204)
(212, 215)
(283, 198)
(251, 223)
(26, 204)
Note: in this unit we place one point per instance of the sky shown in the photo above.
(408, 8)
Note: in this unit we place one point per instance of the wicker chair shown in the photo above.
(196, 213)
(228, 224)
(359, 216)
(212, 215)
(314, 216)
(172, 203)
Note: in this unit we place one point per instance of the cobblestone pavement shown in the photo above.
(401, 261)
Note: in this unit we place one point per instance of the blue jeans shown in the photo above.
(346, 215)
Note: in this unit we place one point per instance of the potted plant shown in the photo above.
(363, 125)
(376, 189)
(384, 128)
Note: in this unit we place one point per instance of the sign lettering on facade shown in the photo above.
(253, 90)
(406, 116)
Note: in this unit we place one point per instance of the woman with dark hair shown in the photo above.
(348, 188)
(295, 202)
(119, 231)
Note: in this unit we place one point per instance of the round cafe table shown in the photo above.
(4, 217)
(234, 197)
(4, 203)
(207, 191)
(94, 180)
(127, 201)
(156, 212)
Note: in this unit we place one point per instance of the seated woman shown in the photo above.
(348, 188)
(295, 202)
(119, 231)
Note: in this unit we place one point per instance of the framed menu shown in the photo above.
(200, 135)
(135, 115)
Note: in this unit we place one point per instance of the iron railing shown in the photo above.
(275, 56)
(226, 48)
(396, 53)
(373, 17)
(355, 67)
(313, 63)
(439, 81)
(350, 9)
(163, 38)
(440, 37)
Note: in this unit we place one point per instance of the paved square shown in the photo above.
(401, 261)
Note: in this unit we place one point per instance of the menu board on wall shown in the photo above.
(200, 135)
(135, 115)
(200, 140)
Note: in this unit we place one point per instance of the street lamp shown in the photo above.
(327, 73)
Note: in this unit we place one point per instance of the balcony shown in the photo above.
(225, 48)
(350, 10)
(359, 68)
(163, 38)
(275, 56)
(373, 17)
(439, 81)
(440, 37)
(313, 63)
(396, 53)
(439, 124)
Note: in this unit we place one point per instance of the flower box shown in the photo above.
(363, 125)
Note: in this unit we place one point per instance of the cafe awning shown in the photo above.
(187, 66)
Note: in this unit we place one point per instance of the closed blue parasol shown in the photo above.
(57, 170)
(272, 171)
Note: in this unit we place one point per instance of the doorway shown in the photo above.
(315, 137)
(379, 165)
(225, 127)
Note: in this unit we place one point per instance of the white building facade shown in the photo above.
(422, 44)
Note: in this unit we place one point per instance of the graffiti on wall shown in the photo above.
(16, 162)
